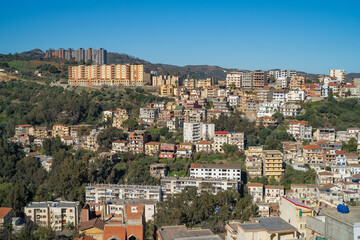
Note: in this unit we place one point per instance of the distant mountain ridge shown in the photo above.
(200, 71)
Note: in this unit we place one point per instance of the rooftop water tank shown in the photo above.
(342, 209)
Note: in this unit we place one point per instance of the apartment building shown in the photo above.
(233, 100)
(279, 95)
(94, 56)
(295, 96)
(267, 109)
(265, 94)
(253, 166)
(301, 130)
(203, 146)
(197, 131)
(282, 73)
(39, 132)
(340, 74)
(149, 115)
(296, 82)
(325, 134)
(295, 213)
(266, 121)
(273, 193)
(247, 80)
(185, 150)
(120, 146)
(100, 193)
(204, 83)
(273, 163)
(290, 109)
(110, 75)
(120, 115)
(152, 148)
(23, 129)
(282, 82)
(221, 104)
(260, 228)
(60, 130)
(89, 142)
(167, 151)
(256, 190)
(173, 185)
(137, 140)
(234, 79)
(55, 215)
(166, 90)
(260, 79)
(313, 154)
(158, 81)
(223, 171)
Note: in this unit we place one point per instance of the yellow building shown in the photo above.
(295, 213)
(152, 148)
(166, 90)
(273, 163)
(110, 75)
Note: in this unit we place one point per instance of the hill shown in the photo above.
(200, 71)
(33, 54)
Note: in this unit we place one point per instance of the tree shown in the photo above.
(350, 146)
(106, 137)
(130, 124)
(229, 149)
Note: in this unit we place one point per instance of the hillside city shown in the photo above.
(131, 150)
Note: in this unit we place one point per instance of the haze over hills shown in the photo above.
(200, 71)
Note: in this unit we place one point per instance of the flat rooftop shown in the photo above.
(349, 218)
(270, 224)
(182, 233)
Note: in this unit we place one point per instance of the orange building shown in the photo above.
(110, 75)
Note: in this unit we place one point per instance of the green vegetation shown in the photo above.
(205, 210)
(292, 176)
(341, 114)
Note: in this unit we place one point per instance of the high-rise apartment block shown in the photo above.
(196, 131)
(95, 56)
(273, 163)
(340, 74)
(158, 81)
(234, 79)
(110, 75)
(282, 73)
(259, 79)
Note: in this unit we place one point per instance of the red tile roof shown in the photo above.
(221, 132)
(4, 211)
(93, 223)
(312, 147)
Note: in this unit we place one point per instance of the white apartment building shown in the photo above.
(149, 115)
(279, 95)
(268, 108)
(282, 82)
(273, 193)
(282, 73)
(233, 100)
(225, 137)
(340, 74)
(290, 109)
(295, 96)
(222, 171)
(234, 79)
(56, 215)
(256, 190)
(173, 185)
(300, 130)
(197, 131)
(100, 193)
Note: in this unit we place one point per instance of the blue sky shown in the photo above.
(311, 36)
